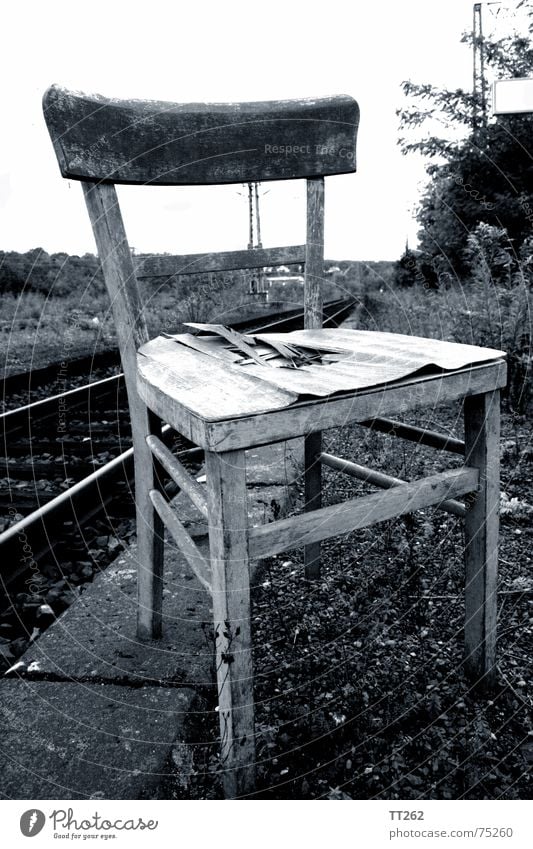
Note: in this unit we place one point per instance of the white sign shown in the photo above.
(512, 96)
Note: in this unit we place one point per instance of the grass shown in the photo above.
(495, 317)
(36, 330)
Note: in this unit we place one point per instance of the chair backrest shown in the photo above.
(102, 141)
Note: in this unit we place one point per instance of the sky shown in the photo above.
(226, 51)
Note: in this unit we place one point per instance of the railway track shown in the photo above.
(67, 468)
(67, 494)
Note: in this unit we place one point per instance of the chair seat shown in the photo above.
(207, 377)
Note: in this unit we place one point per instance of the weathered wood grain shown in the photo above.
(303, 418)
(228, 521)
(237, 340)
(374, 347)
(314, 273)
(115, 258)
(210, 388)
(205, 344)
(312, 499)
(205, 385)
(154, 142)
(185, 543)
(359, 513)
(119, 274)
(170, 266)
(237, 389)
(314, 256)
(364, 473)
(306, 417)
(178, 473)
(482, 438)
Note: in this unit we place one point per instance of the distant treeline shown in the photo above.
(60, 274)
(57, 274)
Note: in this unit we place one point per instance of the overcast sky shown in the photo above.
(218, 51)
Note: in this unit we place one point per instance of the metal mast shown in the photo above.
(478, 71)
(251, 216)
(257, 282)
(257, 221)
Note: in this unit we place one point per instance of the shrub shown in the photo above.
(492, 308)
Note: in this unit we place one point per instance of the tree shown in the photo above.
(480, 170)
(58, 274)
(405, 269)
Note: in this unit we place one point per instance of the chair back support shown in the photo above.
(144, 141)
(102, 141)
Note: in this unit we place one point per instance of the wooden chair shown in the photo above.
(224, 410)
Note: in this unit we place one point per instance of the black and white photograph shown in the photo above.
(266, 480)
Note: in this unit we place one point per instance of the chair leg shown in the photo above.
(482, 441)
(150, 530)
(230, 581)
(313, 497)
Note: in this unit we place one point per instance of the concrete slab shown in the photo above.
(96, 637)
(271, 472)
(79, 741)
(93, 712)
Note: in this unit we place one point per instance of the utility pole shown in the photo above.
(251, 217)
(479, 85)
(480, 111)
(257, 281)
(257, 221)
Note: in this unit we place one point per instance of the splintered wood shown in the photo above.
(222, 372)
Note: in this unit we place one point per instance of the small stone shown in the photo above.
(52, 596)
(6, 653)
(45, 616)
(19, 646)
(69, 597)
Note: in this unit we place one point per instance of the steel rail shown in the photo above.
(333, 311)
(12, 420)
